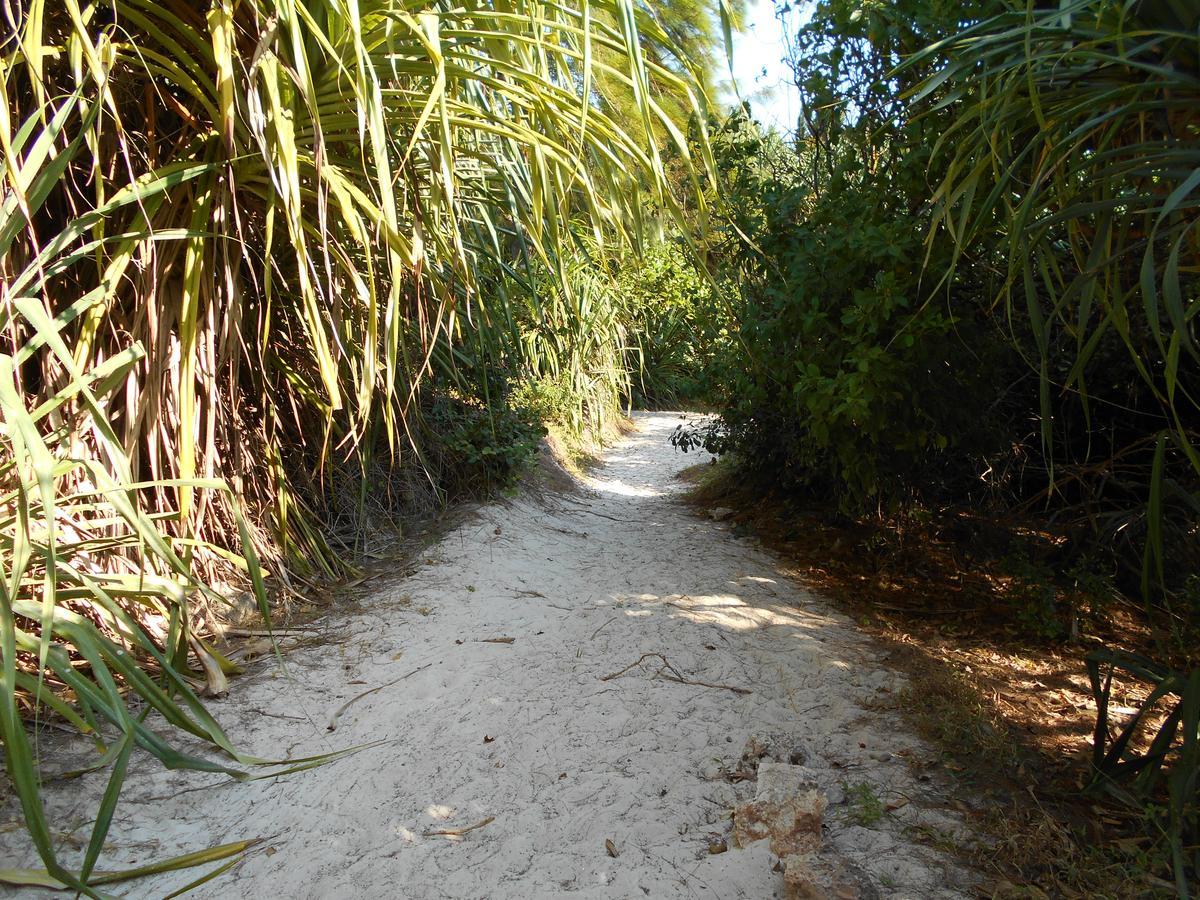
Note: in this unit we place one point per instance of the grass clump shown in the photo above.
(865, 806)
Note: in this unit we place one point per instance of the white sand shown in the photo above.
(529, 735)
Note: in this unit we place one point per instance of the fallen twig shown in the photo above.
(592, 512)
(602, 627)
(670, 673)
(332, 726)
(499, 640)
(587, 509)
(709, 684)
(265, 632)
(568, 531)
(458, 832)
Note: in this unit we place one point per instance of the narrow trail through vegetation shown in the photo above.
(500, 752)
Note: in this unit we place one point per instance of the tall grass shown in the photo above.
(234, 238)
(579, 342)
(1077, 138)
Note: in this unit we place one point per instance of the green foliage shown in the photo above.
(842, 388)
(569, 339)
(866, 806)
(548, 399)
(1073, 163)
(678, 326)
(912, 326)
(1171, 762)
(1034, 594)
(480, 448)
(690, 40)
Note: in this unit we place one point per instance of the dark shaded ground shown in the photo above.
(1009, 706)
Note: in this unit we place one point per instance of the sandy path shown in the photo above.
(528, 734)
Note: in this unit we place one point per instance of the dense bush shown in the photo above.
(906, 334)
(974, 280)
(479, 448)
(844, 385)
(678, 326)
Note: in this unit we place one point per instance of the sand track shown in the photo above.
(530, 736)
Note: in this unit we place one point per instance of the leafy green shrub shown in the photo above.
(480, 449)
(1167, 772)
(677, 326)
(911, 327)
(1034, 595)
(851, 379)
(568, 341)
(549, 399)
